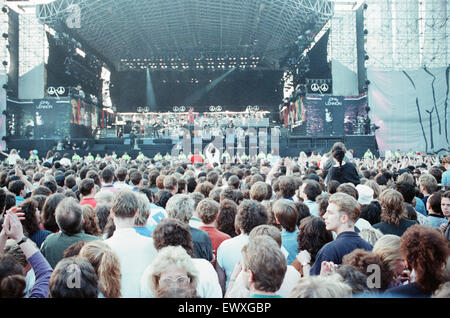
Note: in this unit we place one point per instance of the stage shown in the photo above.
(289, 145)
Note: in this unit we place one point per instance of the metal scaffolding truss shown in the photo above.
(138, 29)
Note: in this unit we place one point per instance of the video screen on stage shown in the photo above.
(233, 91)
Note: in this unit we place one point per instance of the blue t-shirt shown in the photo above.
(436, 221)
(289, 242)
(445, 181)
(144, 230)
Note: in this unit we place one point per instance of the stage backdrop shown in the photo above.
(410, 107)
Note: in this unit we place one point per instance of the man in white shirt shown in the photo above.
(134, 251)
(121, 175)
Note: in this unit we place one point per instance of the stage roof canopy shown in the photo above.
(130, 34)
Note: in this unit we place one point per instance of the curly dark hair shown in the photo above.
(171, 232)
(361, 259)
(426, 251)
(48, 219)
(312, 235)
(31, 222)
(250, 213)
(225, 218)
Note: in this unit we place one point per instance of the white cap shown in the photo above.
(365, 194)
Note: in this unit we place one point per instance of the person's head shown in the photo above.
(434, 203)
(310, 190)
(338, 154)
(354, 278)
(388, 249)
(366, 262)
(445, 204)
(349, 189)
(226, 217)
(144, 209)
(125, 205)
(90, 221)
(392, 206)
(86, 284)
(42, 190)
(287, 187)
(266, 229)
(204, 188)
(250, 214)
(48, 219)
(263, 264)
(173, 268)
(121, 174)
(312, 235)
(332, 286)
(342, 212)
(286, 213)
(31, 222)
(258, 191)
(136, 178)
(212, 177)
(207, 210)
(234, 182)
(407, 190)
(106, 265)
(107, 174)
(18, 188)
(371, 212)
(161, 198)
(302, 211)
(102, 211)
(425, 251)
(332, 186)
(180, 207)
(87, 187)
(427, 183)
(69, 216)
(70, 181)
(12, 280)
(171, 184)
(172, 232)
(92, 174)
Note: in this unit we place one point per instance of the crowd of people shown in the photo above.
(319, 226)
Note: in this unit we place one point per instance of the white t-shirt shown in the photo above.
(290, 280)
(229, 253)
(208, 282)
(135, 252)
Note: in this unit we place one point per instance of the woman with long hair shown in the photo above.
(107, 267)
(343, 171)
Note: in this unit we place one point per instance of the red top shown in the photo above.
(91, 201)
(217, 237)
(196, 158)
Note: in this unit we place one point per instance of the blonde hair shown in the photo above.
(370, 235)
(106, 265)
(331, 286)
(388, 248)
(172, 256)
(347, 204)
